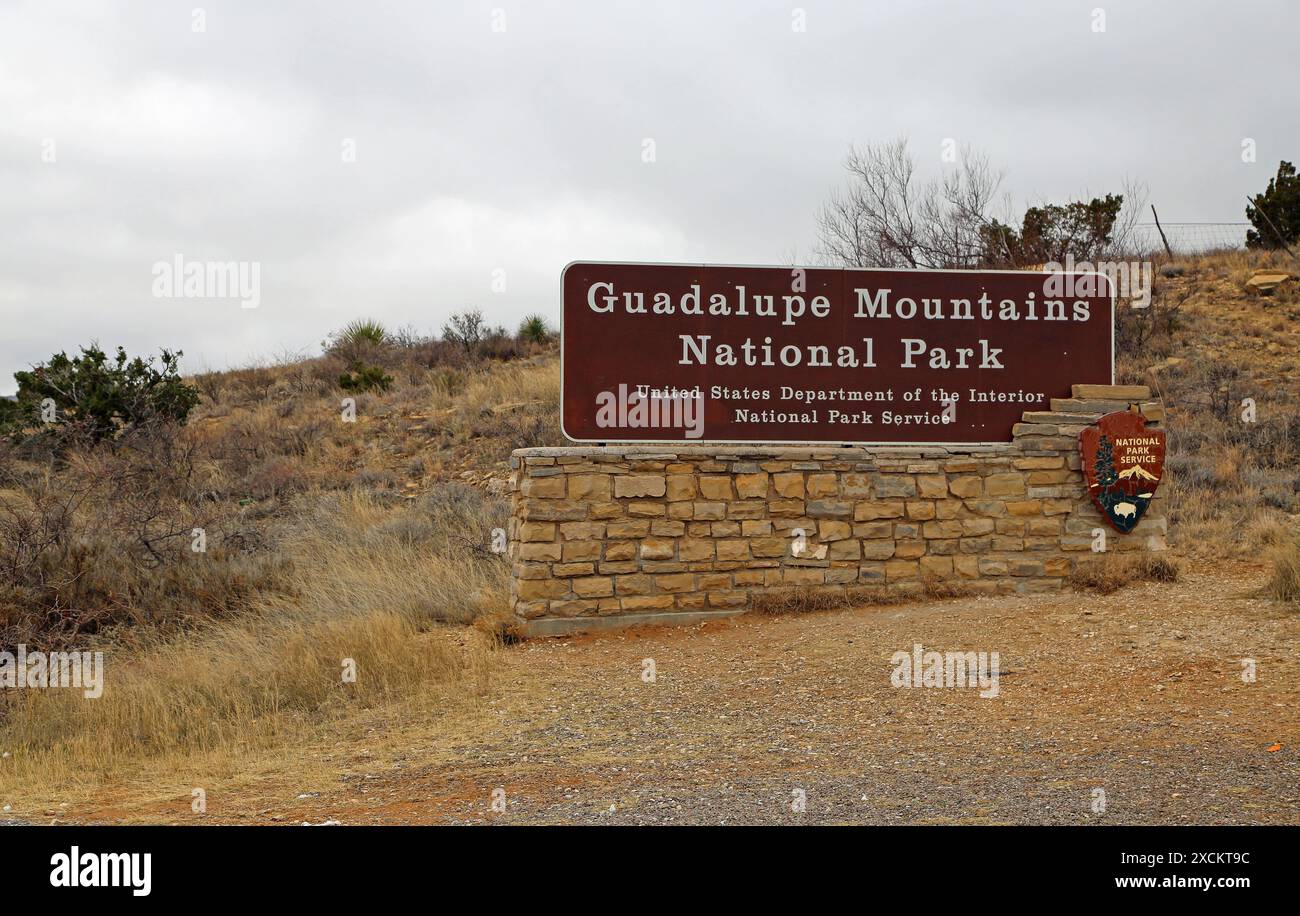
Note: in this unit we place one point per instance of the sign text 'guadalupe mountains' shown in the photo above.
(692, 353)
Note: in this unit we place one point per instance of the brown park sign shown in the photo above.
(696, 353)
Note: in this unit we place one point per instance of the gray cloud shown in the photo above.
(521, 150)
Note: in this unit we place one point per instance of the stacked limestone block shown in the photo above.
(612, 536)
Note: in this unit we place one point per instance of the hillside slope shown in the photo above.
(370, 540)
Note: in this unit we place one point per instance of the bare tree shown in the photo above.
(467, 330)
(885, 218)
(1126, 239)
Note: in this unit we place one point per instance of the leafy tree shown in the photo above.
(95, 397)
(1280, 203)
(535, 329)
(1049, 233)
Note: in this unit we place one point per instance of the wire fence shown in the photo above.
(1191, 238)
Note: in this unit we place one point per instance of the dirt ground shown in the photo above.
(1139, 694)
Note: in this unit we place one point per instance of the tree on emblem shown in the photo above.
(1104, 466)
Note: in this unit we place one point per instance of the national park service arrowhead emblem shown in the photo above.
(1122, 465)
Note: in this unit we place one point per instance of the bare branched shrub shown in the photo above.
(120, 533)
(885, 217)
(1144, 333)
(209, 384)
(519, 428)
(465, 330)
(36, 523)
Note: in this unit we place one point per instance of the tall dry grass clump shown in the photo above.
(428, 561)
(236, 688)
(807, 599)
(1110, 573)
(1284, 583)
(369, 582)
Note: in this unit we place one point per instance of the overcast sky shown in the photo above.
(511, 137)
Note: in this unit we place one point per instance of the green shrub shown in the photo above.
(1280, 204)
(1082, 228)
(92, 397)
(365, 378)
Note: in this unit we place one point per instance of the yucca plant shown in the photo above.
(358, 339)
(534, 328)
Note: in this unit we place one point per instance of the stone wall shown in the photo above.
(613, 536)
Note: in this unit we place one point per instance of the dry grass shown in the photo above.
(1110, 573)
(236, 688)
(1228, 474)
(369, 582)
(427, 561)
(935, 588)
(327, 540)
(1264, 534)
(801, 600)
(1284, 583)
(807, 599)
